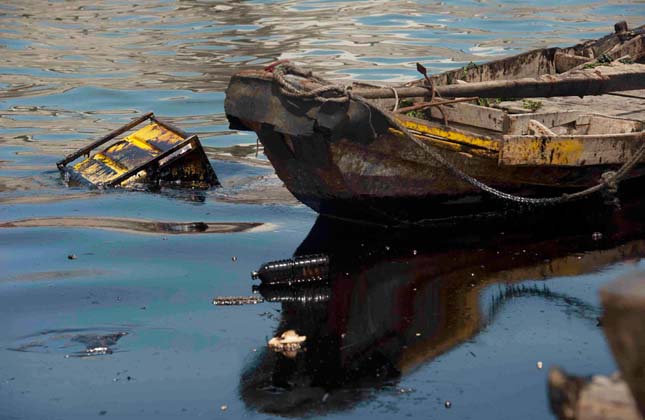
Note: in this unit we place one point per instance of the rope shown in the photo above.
(396, 99)
(609, 180)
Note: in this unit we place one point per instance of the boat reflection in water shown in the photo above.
(394, 300)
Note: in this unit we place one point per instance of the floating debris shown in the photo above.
(307, 293)
(303, 269)
(157, 154)
(596, 236)
(97, 345)
(289, 343)
(237, 300)
(72, 257)
(224, 407)
(98, 351)
(81, 342)
(447, 404)
(233, 258)
(539, 365)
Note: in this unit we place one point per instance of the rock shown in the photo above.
(600, 397)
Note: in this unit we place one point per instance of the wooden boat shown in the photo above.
(452, 144)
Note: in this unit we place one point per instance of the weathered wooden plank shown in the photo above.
(473, 115)
(614, 77)
(634, 48)
(518, 124)
(599, 124)
(571, 150)
(538, 129)
(565, 62)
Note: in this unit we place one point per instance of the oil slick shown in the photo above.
(138, 225)
(71, 342)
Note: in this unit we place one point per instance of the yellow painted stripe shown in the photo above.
(158, 133)
(116, 147)
(452, 135)
(149, 131)
(141, 144)
(457, 147)
(116, 167)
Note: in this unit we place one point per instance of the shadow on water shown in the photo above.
(394, 300)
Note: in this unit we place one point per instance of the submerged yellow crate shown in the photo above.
(155, 155)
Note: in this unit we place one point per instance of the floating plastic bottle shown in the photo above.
(303, 269)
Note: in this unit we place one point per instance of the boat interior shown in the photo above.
(496, 118)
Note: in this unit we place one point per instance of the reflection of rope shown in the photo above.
(330, 92)
(572, 304)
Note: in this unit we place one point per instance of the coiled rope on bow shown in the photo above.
(337, 93)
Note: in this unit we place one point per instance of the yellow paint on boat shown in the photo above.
(457, 147)
(554, 151)
(513, 150)
(451, 135)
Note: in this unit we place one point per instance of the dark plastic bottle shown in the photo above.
(303, 269)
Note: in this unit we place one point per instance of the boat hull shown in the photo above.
(374, 184)
(347, 161)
